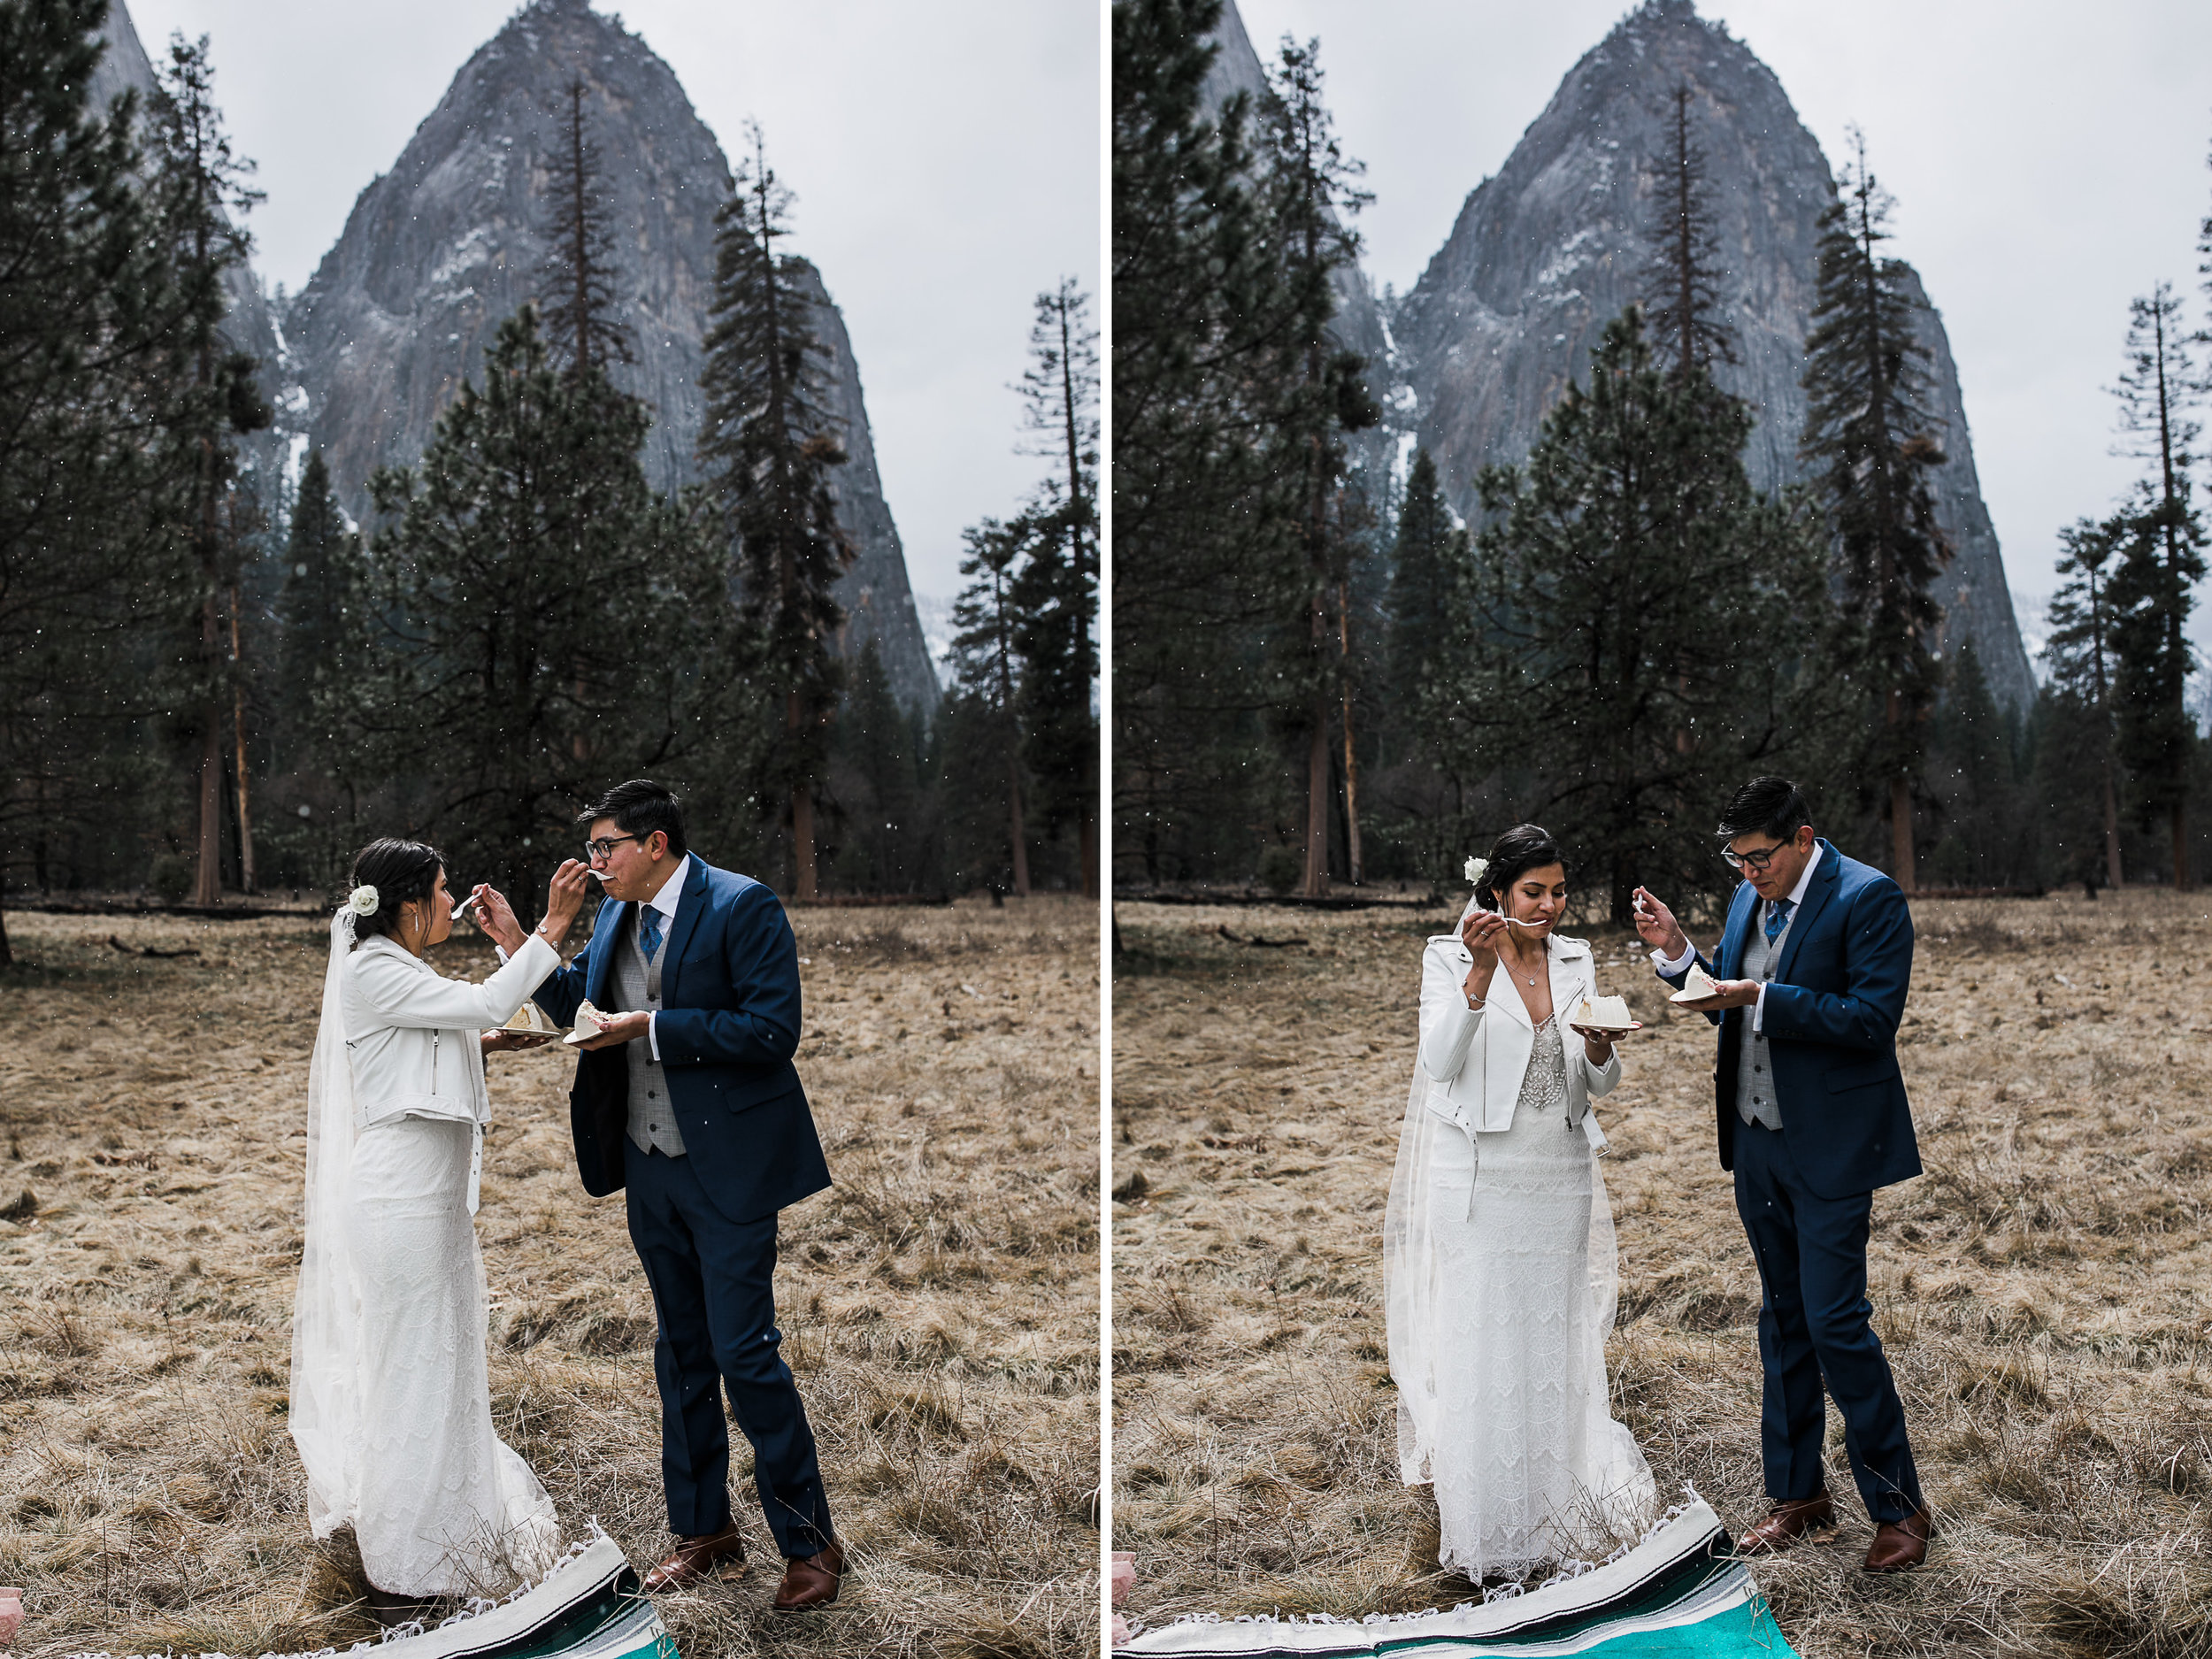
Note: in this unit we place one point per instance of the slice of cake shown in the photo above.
(1696, 987)
(532, 1021)
(589, 1023)
(1605, 1013)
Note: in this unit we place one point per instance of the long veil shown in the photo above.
(1413, 1295)
(326, 1407)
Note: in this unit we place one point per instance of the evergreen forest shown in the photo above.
(218, 684)
(1325, 677)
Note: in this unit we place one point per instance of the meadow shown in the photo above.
(939, 1305)
(2042, 1290)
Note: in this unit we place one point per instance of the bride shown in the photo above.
(391, 1410)
(1499, 1270)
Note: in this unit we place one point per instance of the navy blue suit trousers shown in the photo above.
(1813, 1323)
(713, 1284)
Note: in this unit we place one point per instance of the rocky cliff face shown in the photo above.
(440, 249)
(1548, 251)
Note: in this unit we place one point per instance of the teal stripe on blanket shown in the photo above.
(1679, 1595)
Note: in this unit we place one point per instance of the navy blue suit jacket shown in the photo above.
(1832, 1010)
(728, 1026)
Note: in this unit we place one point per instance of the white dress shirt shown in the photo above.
(1681, 964)
(664, 902)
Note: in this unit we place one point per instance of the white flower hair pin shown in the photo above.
(361, 901)
(1477, 868)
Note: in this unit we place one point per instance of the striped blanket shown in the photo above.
(589, 1606)
(1679, 1595)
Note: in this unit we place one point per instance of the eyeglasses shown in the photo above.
(1757, 860)
(604, 845)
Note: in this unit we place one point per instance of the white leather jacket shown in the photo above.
(1475, 1058)
(412, 1033)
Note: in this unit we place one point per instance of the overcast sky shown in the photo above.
(2048, 164)
(945, 153)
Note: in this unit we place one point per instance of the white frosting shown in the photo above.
(589, 1023)
(1696, 986)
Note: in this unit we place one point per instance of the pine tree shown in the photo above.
(1641, 606)
(1981, 845)
(323, 617)
(1054, 591)
(1868, 443)
(545, 613)
(1679, 276)
(986, 661)
(771, 446)
(89, 299)
(1206, 326)
(2161, 560)
(879, 757)
(2079, 654)
(1309, 195)
(580, 310)
(199, 188)
(1431, 644)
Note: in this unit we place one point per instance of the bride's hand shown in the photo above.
(496, 917)
(563, 899)
(1481, 932)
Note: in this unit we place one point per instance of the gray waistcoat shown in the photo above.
(1754, 1067)
(638, 982)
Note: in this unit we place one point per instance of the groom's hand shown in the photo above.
(1730, 994)
(1656, 925)
(621, 1029)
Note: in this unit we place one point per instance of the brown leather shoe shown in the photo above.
(810, 1582)
(1787, 1522)
(1901, 1546)
(694, 1558)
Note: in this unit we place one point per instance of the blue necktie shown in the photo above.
(649, 932)
(1778, 918)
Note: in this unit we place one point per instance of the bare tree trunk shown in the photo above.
(1316, 884)
(2111, 825)
(1014, 815)
(1089, 844)
(238, 729)
(7, 954)
(1351, 767)
(2181, 848)
(803, 873)
(207, 881)
(1901, 829)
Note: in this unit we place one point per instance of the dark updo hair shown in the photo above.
(1524, 847)
(400, 870)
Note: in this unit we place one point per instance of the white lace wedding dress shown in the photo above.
(391, 1404)
(1513, 1291)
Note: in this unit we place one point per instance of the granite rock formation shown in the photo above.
(441, 249)
(1548, 251)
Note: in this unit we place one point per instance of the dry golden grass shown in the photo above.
(2042, 1290)
(938, 1305)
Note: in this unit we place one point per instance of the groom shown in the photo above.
(1814, 965)
(688, 1098)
